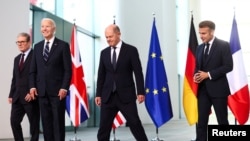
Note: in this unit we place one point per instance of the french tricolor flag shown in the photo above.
(77, 100)
(238, 101)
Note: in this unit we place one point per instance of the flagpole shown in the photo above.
(75, 128)
(156, 74)
(196, 125)
(157, 137)
(78, 73)
(114, 138)
(75, 138)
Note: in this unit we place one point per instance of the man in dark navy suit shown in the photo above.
(214, 61)
(116, 89)
(19, 96)
(50, 76)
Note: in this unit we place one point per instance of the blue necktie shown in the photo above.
(206, 50)
(114, 58)
(46, 52)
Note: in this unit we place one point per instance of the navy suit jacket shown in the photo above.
(218, 64)
(53, 75)
(128, 63)
(20, 84)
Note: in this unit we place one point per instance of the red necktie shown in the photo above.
(21, 62)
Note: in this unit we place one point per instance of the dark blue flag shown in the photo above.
(157, 100)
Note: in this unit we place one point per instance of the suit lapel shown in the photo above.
(122, 54)
(27, 60)
(17, 63)
(212, 48)
(200, 54)
(53, 48)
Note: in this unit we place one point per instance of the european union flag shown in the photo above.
(157, 100)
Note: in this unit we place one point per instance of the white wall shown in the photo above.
(135, 20)
(14, 16)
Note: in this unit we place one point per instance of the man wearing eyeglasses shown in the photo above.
(19, 97)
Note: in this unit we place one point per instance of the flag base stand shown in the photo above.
(114, 138)
(75, 139)
(157, 139)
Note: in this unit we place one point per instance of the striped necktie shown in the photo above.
(46, 52)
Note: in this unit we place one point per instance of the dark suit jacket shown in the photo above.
(218, 64)
(20, 84)
(54, 74)
(128, 62)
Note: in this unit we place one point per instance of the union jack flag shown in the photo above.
(77, 100)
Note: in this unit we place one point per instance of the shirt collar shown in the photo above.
(50, 41)
(26, 52)
(211, 41)
(119, 44)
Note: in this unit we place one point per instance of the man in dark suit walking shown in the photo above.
(19, 96)
(116, 90)
(50, 76)
(214, 61)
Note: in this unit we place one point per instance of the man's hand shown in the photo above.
(28, 97)
(10, 100)
(62, 94)
(140, 98)
(33, 93)
(200, 76)
(98, 101)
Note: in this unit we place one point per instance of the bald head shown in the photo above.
(113, 28)
(113, 34)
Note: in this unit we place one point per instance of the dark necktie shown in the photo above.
(114, 58)
(46, 52)
(114, 66)
(206, 50)
(21, 62)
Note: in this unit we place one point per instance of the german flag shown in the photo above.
(189, 87)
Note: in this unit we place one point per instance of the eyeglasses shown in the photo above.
(20, 42)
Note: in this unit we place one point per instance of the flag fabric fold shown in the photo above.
(77, 105)
(157, 99)
(238, 101)
(118, 120)
(189, 87)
